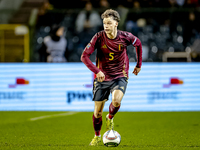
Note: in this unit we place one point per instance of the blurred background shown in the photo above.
(168, 29)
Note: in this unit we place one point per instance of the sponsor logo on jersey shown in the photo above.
(88, 46)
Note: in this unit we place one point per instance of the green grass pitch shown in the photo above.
(24, 130)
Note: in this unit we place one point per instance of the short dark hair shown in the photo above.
(111, 13)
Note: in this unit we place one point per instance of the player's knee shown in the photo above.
(97, 114)
(116, 102)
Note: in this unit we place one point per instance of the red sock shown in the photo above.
(112, 110)
(97, 123)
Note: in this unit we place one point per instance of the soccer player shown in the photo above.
(112, 65)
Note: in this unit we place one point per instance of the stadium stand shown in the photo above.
(163, 26)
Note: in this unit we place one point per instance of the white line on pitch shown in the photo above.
(51, 116)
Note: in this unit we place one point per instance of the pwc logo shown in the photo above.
(81, 96)
(173, 81)
(19, 81)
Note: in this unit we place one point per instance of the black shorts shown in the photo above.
(102, 90)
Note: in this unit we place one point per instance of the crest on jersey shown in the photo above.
(120, 47)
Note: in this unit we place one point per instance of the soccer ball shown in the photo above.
(111, 138)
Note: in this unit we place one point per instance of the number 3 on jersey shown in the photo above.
(111, 56)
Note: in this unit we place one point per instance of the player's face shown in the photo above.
(110, 25)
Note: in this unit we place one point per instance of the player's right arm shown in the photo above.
(85, 58)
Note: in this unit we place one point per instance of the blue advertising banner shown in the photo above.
(68, 87)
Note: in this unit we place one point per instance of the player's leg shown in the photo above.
(97, 116)
(117, 96)
(97, 121)
(100, 95)
(119, 88)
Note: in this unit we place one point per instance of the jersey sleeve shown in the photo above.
(138, 46)
(85, 57)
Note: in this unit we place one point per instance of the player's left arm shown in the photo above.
(138, 46)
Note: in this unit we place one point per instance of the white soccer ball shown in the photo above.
(111, 138)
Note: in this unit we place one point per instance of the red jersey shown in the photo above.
(112, 58)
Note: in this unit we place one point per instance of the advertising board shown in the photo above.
(68, 87)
